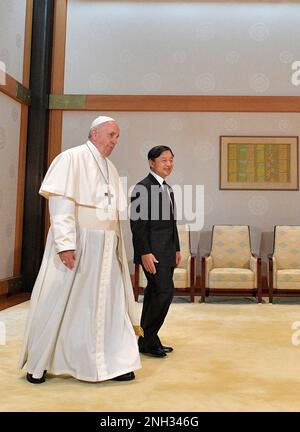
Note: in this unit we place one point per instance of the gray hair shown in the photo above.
(95, 127)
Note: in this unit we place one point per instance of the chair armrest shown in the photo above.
(272, 269)
(193, 270)
(254, 259)
(207, 258)
(206, 266)
(255, 266)
(272, 262)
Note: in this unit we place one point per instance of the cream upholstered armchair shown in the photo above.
(184, 275)
(284, 263)
(231, 268)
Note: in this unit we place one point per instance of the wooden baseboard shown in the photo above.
(11, 285)
(9, 300)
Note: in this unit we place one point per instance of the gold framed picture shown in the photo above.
(259, 162)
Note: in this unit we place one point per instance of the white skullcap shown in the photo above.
(101, 119)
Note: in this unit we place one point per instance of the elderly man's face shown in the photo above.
(163, 165)
(106, 137)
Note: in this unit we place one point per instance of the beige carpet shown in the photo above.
(229, 356)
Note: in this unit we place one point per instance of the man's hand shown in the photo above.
(68, 258)
(149, 261)
(178, 258)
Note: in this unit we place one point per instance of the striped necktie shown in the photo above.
(166, 188)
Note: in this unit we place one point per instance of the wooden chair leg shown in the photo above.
(259, 284)
(203, 271)
(270, 279)
(270, 295)
(193, 293)
(136, 282)
(192, 279)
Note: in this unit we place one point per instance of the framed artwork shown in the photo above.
(259, 162)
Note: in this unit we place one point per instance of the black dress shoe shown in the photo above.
(167, 349)
(125, 377)
(32, 380)
(155, 352)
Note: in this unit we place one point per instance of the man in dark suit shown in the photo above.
(156, 245)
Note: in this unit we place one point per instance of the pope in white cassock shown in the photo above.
(82, 319)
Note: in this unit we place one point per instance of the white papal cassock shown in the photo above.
(83, 321)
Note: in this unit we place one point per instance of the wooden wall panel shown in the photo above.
(27, 43)
(57, 84)
(20, 93)
(160, 103)
(22, 142)
(58, 73)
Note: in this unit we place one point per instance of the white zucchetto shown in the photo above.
(101, 119)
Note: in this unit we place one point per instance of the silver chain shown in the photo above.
(106, 179)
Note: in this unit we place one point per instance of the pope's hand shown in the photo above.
(68, 258)
(149, 261)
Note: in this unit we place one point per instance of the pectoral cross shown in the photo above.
(109, 195)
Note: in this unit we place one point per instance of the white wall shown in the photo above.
(12, 30)
(194, 137)
(10, 112)
(181, 47)
(190, 48)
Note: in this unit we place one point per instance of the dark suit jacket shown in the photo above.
(152, 231)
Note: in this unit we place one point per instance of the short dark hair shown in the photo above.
(156, 151)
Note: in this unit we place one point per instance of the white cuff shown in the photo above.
(62, 217)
